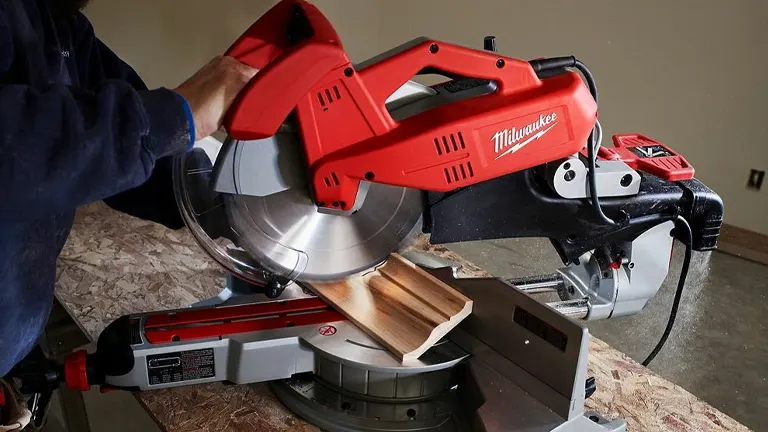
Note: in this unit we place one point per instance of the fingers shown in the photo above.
(245, 71)
(211, 91)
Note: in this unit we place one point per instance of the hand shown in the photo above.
(211, 91)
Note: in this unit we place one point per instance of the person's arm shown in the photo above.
(61, 147)
(153, 199)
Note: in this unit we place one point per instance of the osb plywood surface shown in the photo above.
(114, 265)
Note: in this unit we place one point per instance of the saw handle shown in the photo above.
(292, 36)
(281, 30)
(386, 76)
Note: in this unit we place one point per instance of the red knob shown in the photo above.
(76, 372)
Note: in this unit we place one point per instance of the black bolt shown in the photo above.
(571, 238)
(570, 175)
(434, 48)
(626, 180)
(320, 204)
(176, 338)
(369, 176)
(411, 413)
(606, 274)
(346, 406)
(274, 289)
(335, 203)
(349, 72)
(500, 63)
(289, 324)
(631, 265)
(567, 165)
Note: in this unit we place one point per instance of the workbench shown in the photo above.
(114, 265)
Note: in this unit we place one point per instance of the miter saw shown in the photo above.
(330, 166)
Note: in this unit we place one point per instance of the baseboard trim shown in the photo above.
(743, 243)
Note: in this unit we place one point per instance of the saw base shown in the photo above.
(336, 410)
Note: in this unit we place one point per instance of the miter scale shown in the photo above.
(330, 166)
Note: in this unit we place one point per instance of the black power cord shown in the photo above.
(559, 63)
(553, 65)
(683, 226)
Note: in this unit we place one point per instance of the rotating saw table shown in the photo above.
(114, 264)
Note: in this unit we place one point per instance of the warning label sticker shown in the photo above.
(180, 366)
(327, 330)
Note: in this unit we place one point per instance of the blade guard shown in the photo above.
(349, 135)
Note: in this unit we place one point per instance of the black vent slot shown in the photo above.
(458, 173)
(449, 143)
(328, 96)
(331, 180)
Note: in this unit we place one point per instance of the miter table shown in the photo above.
(114, 265)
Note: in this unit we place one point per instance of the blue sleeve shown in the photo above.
(153, 199)
(65, 146)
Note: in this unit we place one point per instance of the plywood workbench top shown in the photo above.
(114, 264)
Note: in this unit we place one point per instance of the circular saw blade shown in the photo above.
(285, 232)
(287, 235)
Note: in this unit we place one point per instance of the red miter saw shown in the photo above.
(331, 166)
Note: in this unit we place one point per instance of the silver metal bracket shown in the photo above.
(568, 178)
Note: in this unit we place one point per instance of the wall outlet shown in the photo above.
(755, 179)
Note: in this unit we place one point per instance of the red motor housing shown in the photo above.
(349, 135)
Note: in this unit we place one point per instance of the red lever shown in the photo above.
(646, 154)
(76, 372)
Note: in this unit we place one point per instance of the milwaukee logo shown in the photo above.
(509, 141)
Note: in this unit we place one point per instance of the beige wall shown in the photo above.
(168, 40)
(687, 72)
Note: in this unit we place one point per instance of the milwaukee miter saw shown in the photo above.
(330, 166)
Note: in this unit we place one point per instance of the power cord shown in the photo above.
(560, 63)
(553, 64)
(682, 225)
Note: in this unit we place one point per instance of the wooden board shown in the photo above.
(400, 305)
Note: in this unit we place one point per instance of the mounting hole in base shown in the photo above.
(411, 413)
(594, 418)
(346, 406)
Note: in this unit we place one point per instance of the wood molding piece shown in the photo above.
(743, 243)
(399, 305)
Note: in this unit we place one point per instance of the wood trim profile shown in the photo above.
(399, 305)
